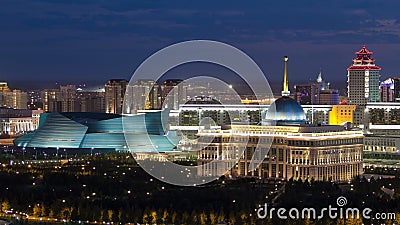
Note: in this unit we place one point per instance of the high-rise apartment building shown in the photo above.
(50, 98)
(69, 100)
(363, 79)
(15, 99)
(386, 90)
(35, 100)
(173, 93)
(114, 95)
(19, 99)
(143, 94)
(91, 101)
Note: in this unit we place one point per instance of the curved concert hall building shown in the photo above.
(76, 130)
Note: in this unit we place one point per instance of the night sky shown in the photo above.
(87, 40)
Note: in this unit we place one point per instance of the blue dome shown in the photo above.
(287, 111)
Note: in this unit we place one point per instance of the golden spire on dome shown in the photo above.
(285, 91)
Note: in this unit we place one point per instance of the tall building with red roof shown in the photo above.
(363, 79)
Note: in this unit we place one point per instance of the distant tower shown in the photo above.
(363, 79)
(285, 91)
(319, 79)
(322, 85)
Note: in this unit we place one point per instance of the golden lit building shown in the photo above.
(4, 87)
(15, 99)
(293, 151)
(341, 114)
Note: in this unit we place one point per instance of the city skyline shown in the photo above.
(92, 41)
(199, 112)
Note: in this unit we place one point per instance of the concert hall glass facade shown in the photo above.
(101, 131)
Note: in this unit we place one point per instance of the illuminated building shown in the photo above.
(316, 93)
(382, 113)
(91, 101)
(4, 87)
(251, 101)
(18, 99)
(290, 149)
(68, 98)
(313, 152)
(341, 114)
(396, 91)
(114, 95)
(317, 114)
(382, 133)
(173, 93)
(304, 94)
(363, 79)
(143, 95)
(386, 90)
(74, 130)
(34, 100)
(50, 98)
(328, 97)
(189, 116)
(382, 138)
(18, 121)
(322, 85)
(382, 145)
(15, 99)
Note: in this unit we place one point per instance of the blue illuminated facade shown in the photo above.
(101, 131)
(287, 112)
